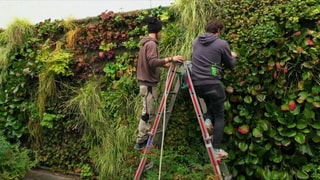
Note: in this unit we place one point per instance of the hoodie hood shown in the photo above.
(207, 38)
(147, 39)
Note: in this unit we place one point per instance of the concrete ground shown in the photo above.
(39, 174)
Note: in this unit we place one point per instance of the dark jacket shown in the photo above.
(208, 55)
(149, 63)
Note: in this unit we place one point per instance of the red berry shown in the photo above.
(285, 70)
(310, 42)
(278, 65)
(244, 129)
(292, 105)
(275, 74)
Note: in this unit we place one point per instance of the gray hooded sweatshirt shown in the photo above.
(209, 53)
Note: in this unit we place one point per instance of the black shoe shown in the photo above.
(139, 146)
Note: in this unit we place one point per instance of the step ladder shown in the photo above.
(182, 79)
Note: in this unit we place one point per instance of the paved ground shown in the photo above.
(39, 174)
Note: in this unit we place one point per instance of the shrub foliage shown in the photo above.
(69, 90)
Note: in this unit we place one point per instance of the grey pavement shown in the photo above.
(38, 174)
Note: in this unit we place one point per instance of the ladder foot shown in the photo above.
(228, 177)
(149, 166)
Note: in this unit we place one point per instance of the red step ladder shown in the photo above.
(220, 168)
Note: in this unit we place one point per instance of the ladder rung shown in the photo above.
(173, 92)
(208, 138)
(149, 133)
(158, 131)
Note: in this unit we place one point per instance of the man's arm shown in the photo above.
(229, 57)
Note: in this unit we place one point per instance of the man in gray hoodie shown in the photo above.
(148, 74)
(209, 54)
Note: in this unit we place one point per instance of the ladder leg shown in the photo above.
(205, 134)
(224, 170)
(171, 72)
(169, 110)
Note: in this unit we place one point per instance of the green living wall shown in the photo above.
(274, 91)
(69, 92)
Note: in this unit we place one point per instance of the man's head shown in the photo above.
(154, 25)
(214, 26)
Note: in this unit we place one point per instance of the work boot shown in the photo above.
(209, 126)
(220, 154)
(139, 146)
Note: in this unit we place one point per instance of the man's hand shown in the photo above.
(178, 58)
(167, 65)
(233, 54)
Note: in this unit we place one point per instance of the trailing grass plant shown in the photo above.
(71, 37)
(121, 97)
(191, 18)
(69, 24)
(72, 34)
(54, 62)
(87, 106)
(18, 32)
(4, 62)
(106, 112)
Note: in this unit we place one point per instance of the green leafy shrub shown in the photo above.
(273, 93)
(275, 87)
(14, 162)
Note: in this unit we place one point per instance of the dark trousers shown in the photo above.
(214, 97)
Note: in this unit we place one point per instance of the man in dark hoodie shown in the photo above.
(148, 74)
(209, 53)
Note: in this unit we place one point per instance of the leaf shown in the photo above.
(243, 146)
(228, 129)
(316, 104)
(291, 125)
(286, 142)
(300, 138)
(307, 65)
(255, 160)
(307, 76)
(227, 105)
(257, 133)
(278, 138)
(266, 174)
(288, 132)
(316, 125)
(263, 125)
(282, 121)
(316, 139)
(301, 124)
(248, 99)
(276, 157)
(302, 174)
(271, 108)
(237, 119)
(306, 131)
(261, 97)
(302, 96)
(309, 113)
(305, 149)
(272, 132)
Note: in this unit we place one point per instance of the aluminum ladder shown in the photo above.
(181, 78)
